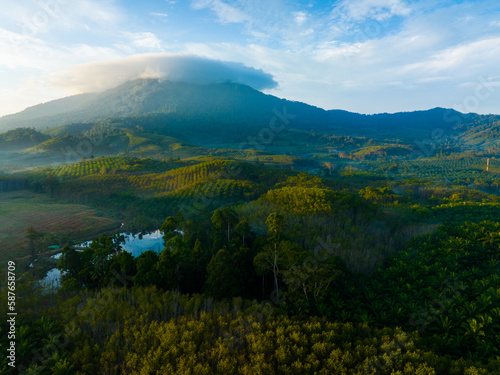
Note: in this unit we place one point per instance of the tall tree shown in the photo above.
(34, 237)
(224, 222)
(168, 228)
(222, 279)
(275, 224)
(275, 258)
(147, 271)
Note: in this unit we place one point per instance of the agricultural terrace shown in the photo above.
(22, 209)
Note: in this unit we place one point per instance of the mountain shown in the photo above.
(33, 115)
(231, 113)
(225, 104)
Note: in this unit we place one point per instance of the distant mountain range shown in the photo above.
(229, 112)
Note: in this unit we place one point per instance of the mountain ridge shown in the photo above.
(228, 111)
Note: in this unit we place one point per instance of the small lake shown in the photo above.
(138, 243)
(135, 244)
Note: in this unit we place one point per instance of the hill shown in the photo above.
(227, 112)
(21, 138)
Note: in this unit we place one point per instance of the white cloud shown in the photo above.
(20, 52)
(27, 52)
(379, 10)
(459, 59)
(86, 52)
(173, 67)
(300, 17)
(225, 12)
(266, 21)
(144, 40)
(364, 55)
(36, 17)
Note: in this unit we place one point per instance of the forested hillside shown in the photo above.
(265, 269)
(293, 240)
(230, 113)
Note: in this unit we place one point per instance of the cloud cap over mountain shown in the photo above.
(102, 75)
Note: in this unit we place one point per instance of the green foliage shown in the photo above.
(21, 138)
(91, 267)
(132, 331)
(443, 284)
(103, 165)
(343, 255)
(223, 279)
(303, 180)
(147, 271)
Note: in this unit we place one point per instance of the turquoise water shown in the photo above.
(137, 244)
(134, 244)
(150, 241)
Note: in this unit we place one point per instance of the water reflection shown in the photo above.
(135, 244)
(138, 243)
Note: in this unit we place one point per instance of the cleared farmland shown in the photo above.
(21, 209)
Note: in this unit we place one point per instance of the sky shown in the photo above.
(366, 56)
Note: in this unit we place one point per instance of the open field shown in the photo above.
(21, 209)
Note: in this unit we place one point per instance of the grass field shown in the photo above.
(21, 209)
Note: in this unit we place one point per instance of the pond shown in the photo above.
(138, 243)
(135, 244)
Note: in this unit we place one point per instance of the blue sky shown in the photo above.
(367, 56)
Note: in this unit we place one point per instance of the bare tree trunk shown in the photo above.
(275, 273)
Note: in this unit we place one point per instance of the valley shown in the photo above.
(372, 238)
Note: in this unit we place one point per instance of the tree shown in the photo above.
(168, 228)
(147, 271)
(96, 260)
(33, 237)
(197, 252)
(275, 224)
(52, 184)
(103, 248)
(276, 257)
(242, 234)
(168, 267)
(223, 222)
(303, 180)
(243, 266)
(71, 264)
(222, 279)
(312, 276)
(122, 270)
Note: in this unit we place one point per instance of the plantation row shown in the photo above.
(94, 175)
(204, 182)
(94, 166)
(227, 189)
(464, 164)
(464, 171)
(161, 183)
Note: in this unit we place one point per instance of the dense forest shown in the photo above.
(293, 240)
(265, 270)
